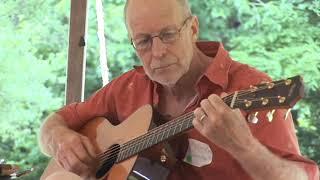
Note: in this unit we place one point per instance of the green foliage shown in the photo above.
(278, 37)
(31, 68)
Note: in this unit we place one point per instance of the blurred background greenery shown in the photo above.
(280, 37)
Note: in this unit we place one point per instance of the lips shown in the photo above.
(162, 67)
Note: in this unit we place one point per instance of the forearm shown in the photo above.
(260, 163)
(51, 123)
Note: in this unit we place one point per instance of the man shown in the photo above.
(179, 75)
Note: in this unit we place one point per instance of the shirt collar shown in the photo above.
(217, 71)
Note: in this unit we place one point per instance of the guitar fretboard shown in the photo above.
(155, 136)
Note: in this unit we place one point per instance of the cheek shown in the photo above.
(146, 61)
(186, 54)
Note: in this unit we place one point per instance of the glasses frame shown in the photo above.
(150, 40)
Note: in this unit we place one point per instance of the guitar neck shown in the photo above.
(156, 135)
(162, 133)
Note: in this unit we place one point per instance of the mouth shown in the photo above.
(162, 67)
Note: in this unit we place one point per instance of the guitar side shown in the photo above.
(103, 135)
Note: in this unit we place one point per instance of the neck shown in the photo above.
(186, 85)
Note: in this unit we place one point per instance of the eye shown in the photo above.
(141, 41)
(169, 35)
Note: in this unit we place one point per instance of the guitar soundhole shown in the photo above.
(108, 160)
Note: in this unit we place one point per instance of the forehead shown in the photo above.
(146, 16)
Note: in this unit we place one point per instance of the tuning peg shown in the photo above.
(253, 118)
(287, 114)
(247, 103)
(270, 85)
(264, 101)
(253, 88)
(281, 99)
(288, 82)
(270, 115)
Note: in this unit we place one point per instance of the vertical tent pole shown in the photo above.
(102, 42)
(77, 51)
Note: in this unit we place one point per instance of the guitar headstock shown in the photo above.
(270, 95)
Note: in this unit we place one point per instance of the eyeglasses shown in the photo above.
(167, 36)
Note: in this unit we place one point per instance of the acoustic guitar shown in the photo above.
(120, 147)
(12, 171)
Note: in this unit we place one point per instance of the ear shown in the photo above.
(195, 28)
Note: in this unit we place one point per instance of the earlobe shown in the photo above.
(195, 37)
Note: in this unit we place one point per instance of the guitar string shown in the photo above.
(155, 130)
(229, 97)
(152, 131)
(106, 160)
(127, 146)
(138, 142)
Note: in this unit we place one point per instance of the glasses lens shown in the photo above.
(141, 43)
(169, 36)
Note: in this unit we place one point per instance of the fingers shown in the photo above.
(208, 108)
(88, 146)
(76, 154)
(209, 112)
(218, 103)
(69, 159)
(199, 117)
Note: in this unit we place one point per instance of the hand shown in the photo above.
(73, 151)
(223, 126)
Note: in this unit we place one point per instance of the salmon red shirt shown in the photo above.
(125, 94)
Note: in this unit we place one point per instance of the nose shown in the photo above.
(158, 47)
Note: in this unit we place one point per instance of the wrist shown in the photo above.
(250, 149)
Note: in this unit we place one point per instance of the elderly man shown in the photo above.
(180, 75)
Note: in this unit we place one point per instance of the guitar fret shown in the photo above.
(120, 155)
(181, 127)
(157, 140)
(173, 129)
(127, 152)
(133, 149)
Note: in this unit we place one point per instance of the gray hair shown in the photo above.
(184, 4)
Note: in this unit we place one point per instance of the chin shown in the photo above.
(169, 78)
(166, 81)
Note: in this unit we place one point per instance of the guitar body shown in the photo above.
(103, 135)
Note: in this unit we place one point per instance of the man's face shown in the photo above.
(163, 62)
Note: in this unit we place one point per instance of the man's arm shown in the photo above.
(73, 151)
(228, 129)
(260, 163)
